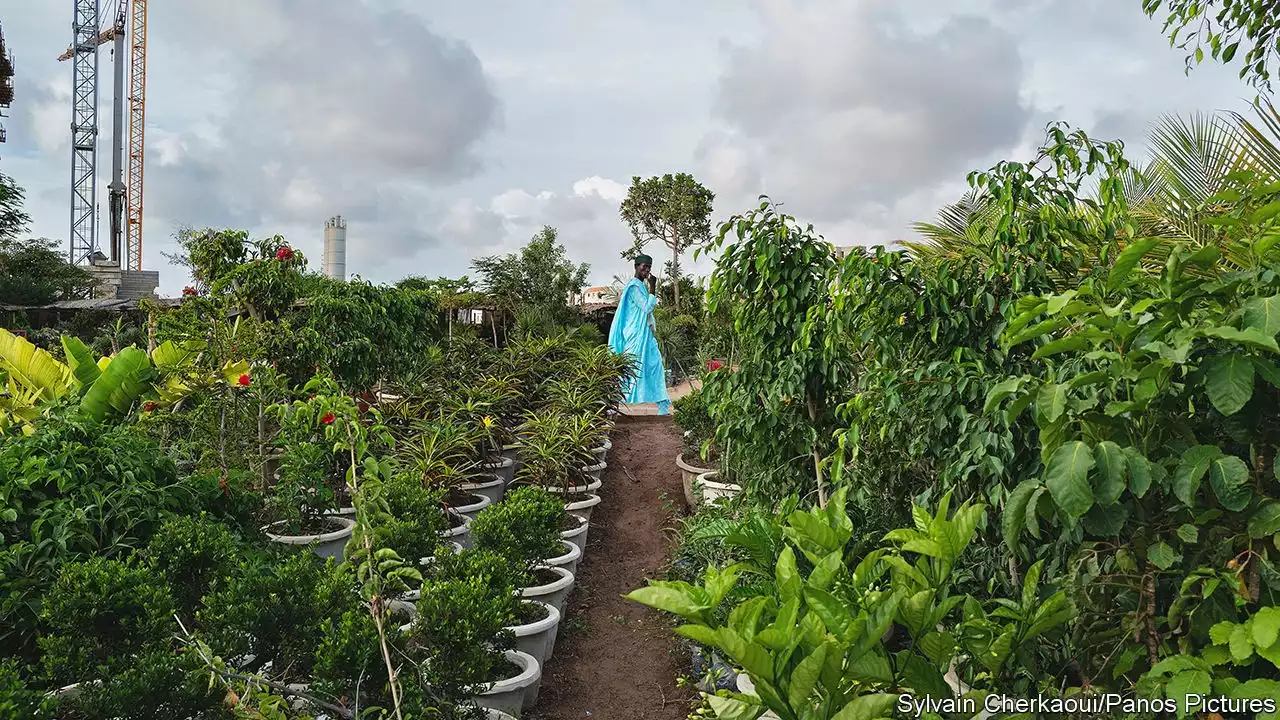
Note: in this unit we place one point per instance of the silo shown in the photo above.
(335, 248)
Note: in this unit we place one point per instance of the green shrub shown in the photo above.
(461, 622)
(690, 414)
(276, 611)
(191, 554)
(98, 614)
(160, 683)
(17, 700)
(524, 527)
(349, 661)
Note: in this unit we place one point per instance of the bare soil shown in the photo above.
(616, 659)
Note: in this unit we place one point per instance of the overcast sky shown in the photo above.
(457, 128)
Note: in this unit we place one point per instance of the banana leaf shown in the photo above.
(232, 371)
(125, 378)
(170, 357)
(31, 367)
(83, 367)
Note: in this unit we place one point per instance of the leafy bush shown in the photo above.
(524, 527)
(192, 554)
(349, 663)
(691, 416)
(460, 626)
(275, 611)
(159, 683)
(98, 615)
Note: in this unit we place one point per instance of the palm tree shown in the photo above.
(1192, 162)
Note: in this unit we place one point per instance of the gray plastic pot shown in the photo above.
(573, 489)
(512, 453)
(583, 508)
(602, 453)
(487, 485)
(460, 534)
(596, 472)
(537, 638)
(471, 510)
(578, 536)
(569, 559)
(504, 468)
(508, 695)
(553, 593)
(325, 545)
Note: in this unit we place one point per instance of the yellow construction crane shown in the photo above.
(130, 24)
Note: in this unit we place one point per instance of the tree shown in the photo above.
(1256, 23)
(32, 272)
(536, 282)
(675, 209)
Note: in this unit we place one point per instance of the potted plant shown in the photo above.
(526, 529)
(306, 491)
(460, 632)
(698, 430)
(437, 454)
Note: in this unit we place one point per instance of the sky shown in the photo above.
(449, 130)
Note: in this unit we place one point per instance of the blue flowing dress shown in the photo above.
(633, 333)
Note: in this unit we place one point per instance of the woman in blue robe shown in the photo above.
(633, 333)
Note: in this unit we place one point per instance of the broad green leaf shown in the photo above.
(32, 368)
(1186, 684)
(1266, 626)
(1162, 556)
(80, 359)
(1051, 401)
(727, 708)
(1263, 313)
(1230, 480)
(833, 613)
(1188, 533)
(1191, 470)
(1229, 381)
(1139, 471)
(1241, 643)
(1057, 302)
(1106, 520)
(1067, 476)
(1061, 345)
(1002, 390)
(1248, 336)
(868, 707)
(1015, 510)
(667, 600)
(1128, 259)
(804, 678)
(123, 381)
(1220, 633)
(1265, 521)
(786, 575)
(1111, 460)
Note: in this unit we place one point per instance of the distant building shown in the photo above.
(842, 251)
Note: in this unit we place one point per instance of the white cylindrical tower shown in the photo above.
(335, 248)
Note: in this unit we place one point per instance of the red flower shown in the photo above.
(327, 419)
(149, 407)
(284, 253)
(189, 291)
(244, 380)
(714, 365)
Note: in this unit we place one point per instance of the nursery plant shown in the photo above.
(524, 528)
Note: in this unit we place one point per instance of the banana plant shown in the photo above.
(106, 387)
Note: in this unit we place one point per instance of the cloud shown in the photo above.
(842, 110)
(330, 107)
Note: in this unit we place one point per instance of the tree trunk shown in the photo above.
(817, 456)
(675, 276)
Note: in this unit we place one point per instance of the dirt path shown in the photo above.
(615, 658)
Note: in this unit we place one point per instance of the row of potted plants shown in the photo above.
(465, 494)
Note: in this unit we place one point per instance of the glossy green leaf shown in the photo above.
(1265, 521)
(1191, 470)
(1111, 461)
(804, 678)
(1229, 477)
(1229, 381)
(1162, 556)
(1263, 313)
(1265, 626)
(1128, 259)
(868, 707)
(1139, 471)
(1067, 477)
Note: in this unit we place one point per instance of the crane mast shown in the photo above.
(84, 131)
(137, 126)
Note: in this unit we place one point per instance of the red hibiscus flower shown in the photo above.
(244, 380)
(189, 291)
(149, 407)
(714, 365)
(327, 419)
(284, 253)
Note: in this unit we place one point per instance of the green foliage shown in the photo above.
(460, 625)
(276, 612)
(535, 283)
(1196, 27)
(100, 613)
(524, 527)
(691, 415)
(34, 272)
(777, 411)
(192, 553)
(675, 209)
